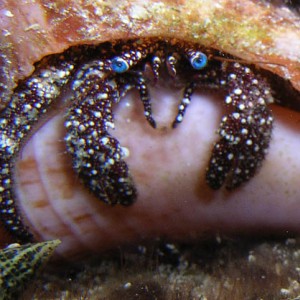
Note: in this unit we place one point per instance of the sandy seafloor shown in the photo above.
(219, 268)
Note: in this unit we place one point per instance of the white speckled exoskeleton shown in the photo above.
(99, 76)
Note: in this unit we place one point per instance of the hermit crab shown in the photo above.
(106, 69)
(98, 77)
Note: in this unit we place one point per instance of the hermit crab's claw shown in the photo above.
(31, 100)
(97, 156)
(245, 133)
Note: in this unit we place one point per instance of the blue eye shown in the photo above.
(198, 60)
(119, 65)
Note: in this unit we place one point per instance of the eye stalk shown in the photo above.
(198, 60)
(119, 65)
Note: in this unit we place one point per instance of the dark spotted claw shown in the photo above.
(245, 133)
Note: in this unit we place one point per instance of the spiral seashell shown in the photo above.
(19, 264)
(167, 165)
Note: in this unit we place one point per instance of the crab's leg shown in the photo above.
(141, 86)
(245, 133)
(29, 102)
(97, 156)
(186, 99)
